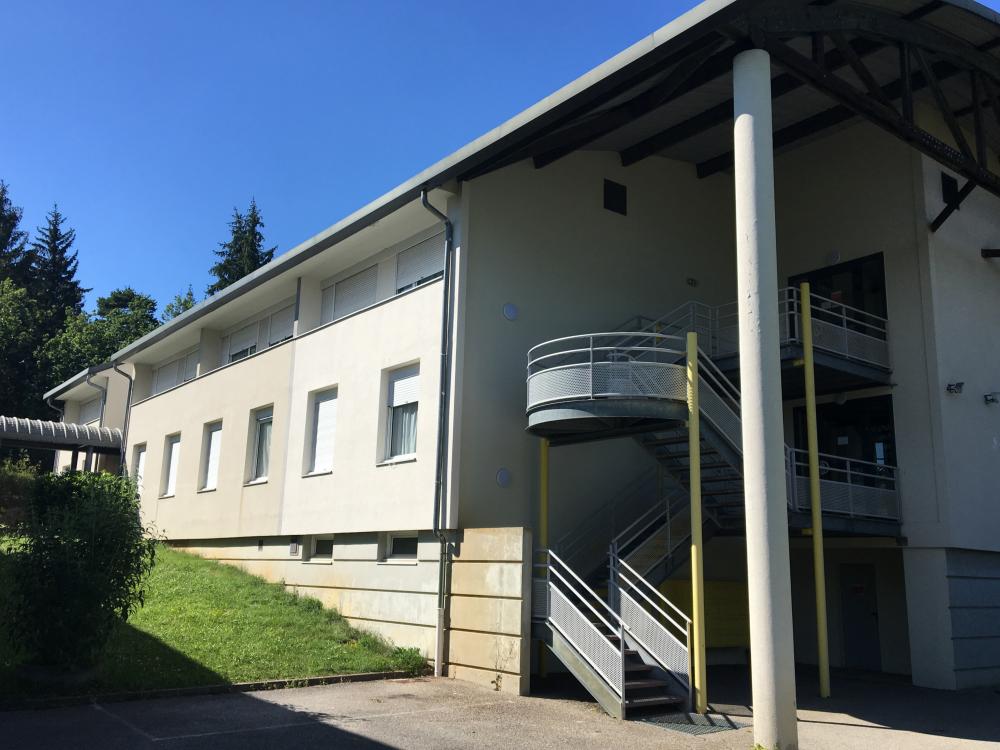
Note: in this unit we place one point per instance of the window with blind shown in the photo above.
(139, 465)
(401, 426)
(350, 295)
(175, 372)
(90, 411)
(171, 458)
(260, 460)
(243, 342)
(212, 444)
(324, 427)
(280, 325)
(420, 263)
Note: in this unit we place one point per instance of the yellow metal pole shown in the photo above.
(697, 550)
(543, 526)
(819, 565)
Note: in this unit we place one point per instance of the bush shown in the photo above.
(17, 479)
(76, 566)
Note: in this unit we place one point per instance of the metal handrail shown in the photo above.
(614, 615)
(659, 595)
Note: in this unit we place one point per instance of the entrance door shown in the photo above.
(859, 612)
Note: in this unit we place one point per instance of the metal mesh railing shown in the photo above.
(848, 486)
(584, 619)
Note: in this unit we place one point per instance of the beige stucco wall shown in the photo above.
(487, 632)
(359, 494)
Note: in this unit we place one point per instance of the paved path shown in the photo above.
(446, 714)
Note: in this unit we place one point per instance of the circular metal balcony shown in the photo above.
(603, 384)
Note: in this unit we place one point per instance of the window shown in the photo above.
(401, 429)
(211, 445)
(420, 263)
(171, 457)
(402, 546)
(139, 465)
(350, 295)
(322, 548)
(280, 325)
(90, 411)
(262, 419)
(324, 426)
(243, 343)
(175, 372)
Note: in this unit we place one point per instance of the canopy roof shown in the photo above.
(670, 95)
(36, 433)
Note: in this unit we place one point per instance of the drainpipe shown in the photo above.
(91, 461)
(128, 414)
(56, 409)
(440, 480)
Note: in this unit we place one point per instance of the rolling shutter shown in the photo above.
(243, 342)
(324, 429)
(90, 411)
(214, 440)
(281, 325)
(420, 263)
(354, 293)
(404, 386)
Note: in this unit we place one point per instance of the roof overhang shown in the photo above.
(670, 94)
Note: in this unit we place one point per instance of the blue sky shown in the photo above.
(149, 121)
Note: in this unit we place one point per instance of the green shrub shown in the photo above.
(17, 479)
(76, 566)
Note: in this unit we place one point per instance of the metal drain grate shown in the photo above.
(696, 724)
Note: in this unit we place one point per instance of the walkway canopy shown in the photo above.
(16, 432)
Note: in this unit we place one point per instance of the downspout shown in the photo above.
(128, 414)
(440, 481)
(62, 415)
(91, 459)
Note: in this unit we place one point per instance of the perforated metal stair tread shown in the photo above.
(653, 700)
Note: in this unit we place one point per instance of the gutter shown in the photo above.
(440, 481)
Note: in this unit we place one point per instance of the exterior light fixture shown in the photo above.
(510, 311)
(991, 398)
(503, 478)
(955, 388)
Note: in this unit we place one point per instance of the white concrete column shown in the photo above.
(769, 582)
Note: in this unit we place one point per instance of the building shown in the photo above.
(356, 418)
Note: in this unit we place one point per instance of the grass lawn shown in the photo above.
(205, 623)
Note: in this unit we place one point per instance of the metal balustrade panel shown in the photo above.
(725, 420)
(539, 598)
(852, 500)
(669, 651)
(594, 647)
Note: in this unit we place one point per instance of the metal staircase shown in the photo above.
(630, 647)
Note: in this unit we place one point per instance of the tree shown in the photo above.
(19, 323)
(180, 303)
(244, 252)
(55, 285)
(88, 339)
(15, 257)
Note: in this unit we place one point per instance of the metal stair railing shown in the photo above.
(656, 623)
(586, 543)
(564, 600)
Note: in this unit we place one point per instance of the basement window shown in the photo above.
(402, 546)
(616, 197)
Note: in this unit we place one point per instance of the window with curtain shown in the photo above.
(262, 444)
(403, 392)
(172, 456)
(210, 461)
(323, 431)
(420, 263)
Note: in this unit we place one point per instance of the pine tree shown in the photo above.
(180, 303)
(55, 285)
(15, 256)
(244, 252)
